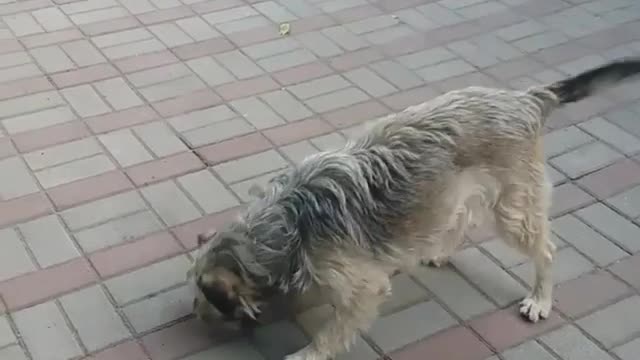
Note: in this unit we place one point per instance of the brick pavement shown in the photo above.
(128, 126)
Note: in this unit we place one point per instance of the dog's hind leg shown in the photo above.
(522, 220)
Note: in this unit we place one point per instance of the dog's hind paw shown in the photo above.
(534, 310)
(436, 262)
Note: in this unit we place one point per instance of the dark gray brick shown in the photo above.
(585, 239)
(276, 340)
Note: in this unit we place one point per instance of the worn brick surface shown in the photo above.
(128, 126)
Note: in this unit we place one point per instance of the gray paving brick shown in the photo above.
(160, 309)
(271, 48)
(345, 38)
(397, 74)
(299, 151)
(410, 325)
(555, 176)
(287, 60)
(415, 19)
(612, 225)
(210, 71)
(207, 191)
(223, 16)
(445, 70)
(520, 30)
(506, 255)
(250, 166)
(457, 293)
(73, 171)
(242, 188)
(118, 94)
(440, 14)
(589, 242)
(319, 44)
(243, 24)
(474, 54)
(625, 119)
(371, 24)
(278, 339)
(628, 351)
(62, 153)
(197, 28)
(20, 182)
(38, 120)
(582, 64)
(85, 101)
(217, 132)
(148, 280)
(6, 333)
(336, 100)
(565, 139)
(540, 41)
(236, 350)
(257, 113)
(274, 11)
(529, 350)
(458, 4)
(201, 118)
(239, 64)
(125, 147)
(405, 293)
(286, 105)
(14, 256)
(585, 159)
(568, 265)
(387, 35)
(48, 241)
(101, 210)
(170, 203)
(571, 344)
(52, 59)
(117, 231)
(482, 9)
(488, 276)
(89, 307)
(614, 324)
(628, 202)
(368, 81)
(160, 139)
(172, 88)
(46, 333)
(170, 34)
(337, 5)
(329, 142)
(612, 135)
(13, 352)
(30, 103)
(319, 86)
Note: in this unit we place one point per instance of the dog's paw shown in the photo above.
(534, 310)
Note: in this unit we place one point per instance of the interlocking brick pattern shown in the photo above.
(128, 126)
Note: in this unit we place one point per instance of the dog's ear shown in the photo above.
(256, 191)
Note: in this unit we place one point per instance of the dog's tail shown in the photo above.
(589, 82)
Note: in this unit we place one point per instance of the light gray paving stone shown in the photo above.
(13, 352)
(101, 210)
(271, 48)
(529, 350)
(6, 333)
(344, 38)
(14, 257)
(59, 154)
(338, 99)
(506, 255)
(94, 318)
(75, 170)
(160, 139)
(427, 57)
(299, 151)
(628, 351)
(48, 241)
(20, 182)
(242, 188)
(328, 142)
(614, 324)
(210, 71)
(240, 65)
(85, 101)
(565, 139)
(286, 105)
(568, 265)
(445, 70)
(488, 276)
(612, 135)
(397, 74)
(170, 203)
(207, 191)
(410, 325)
(46, 333)
(38, 119)
(388, 35)
(628, 202)
(148, 280)
(257, 113)
(274, 11)
(319, 44)
(319, 86)
(612, 225)
(201, 118)
(595, 246)
(457, 293)
(118, 93)
(250, 166)
(217, 132)
(240, 349)
(287, 60)
(117, 231)
(125, 147)
(371, 83)
(571, 344)
(585, 159)
(160, 309)
(405, 292)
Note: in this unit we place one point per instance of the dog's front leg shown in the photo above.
(340, 330)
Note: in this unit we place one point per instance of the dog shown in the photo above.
(402, 194)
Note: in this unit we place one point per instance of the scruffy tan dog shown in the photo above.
(403, 193)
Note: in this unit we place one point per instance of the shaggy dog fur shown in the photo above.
(344, 221)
